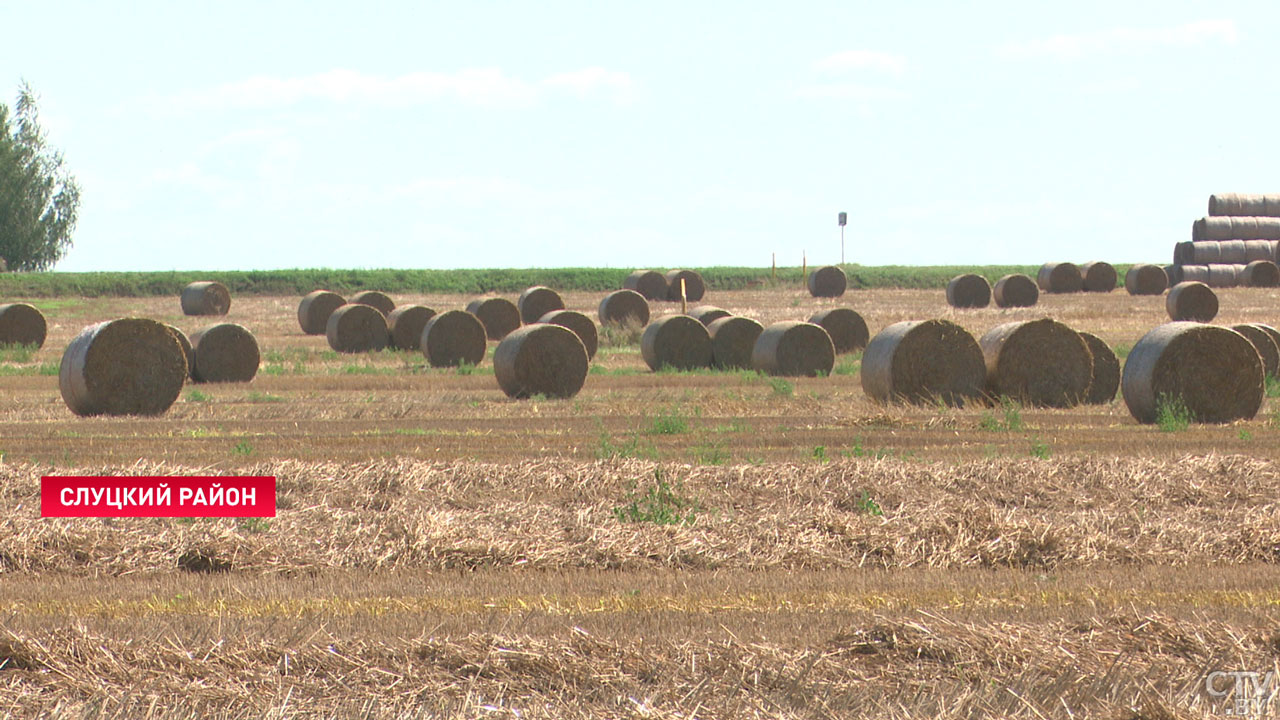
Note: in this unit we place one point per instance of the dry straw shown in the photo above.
(1212, 373)
(187, 352)
(1235, 228)
(827, 282)
(315, 309)
(1232, 252)
(452, 338)
(205, 298)
(1224, 276)
(1264, 343)
(498, 315)
(1061, 277)
(357, 328)
(847, 329)
(225, 352)
(130, 366)
(537, 301)
(676, 341)
(1250, 205)
(707, 314)
(1192, 273)
(1037, 362)
(968, 291)
(1016, 290)
(623, 307)
(1098, 276)
(794, 349)
(22, 324)
(374, 299)
(1145, 279)
(581, 325)
(649, 283)
(1259, 250)
(694, 288)
(1106, 371)
(405, 325)
(1193, 301)
(732, 340)
(1259, 273)
(541, 359)
(923, 362)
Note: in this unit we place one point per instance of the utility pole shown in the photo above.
(843, 219)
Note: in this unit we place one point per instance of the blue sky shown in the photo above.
(240, 135)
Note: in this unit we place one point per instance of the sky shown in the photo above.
(264, 135)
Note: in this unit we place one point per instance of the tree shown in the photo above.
(38, 196)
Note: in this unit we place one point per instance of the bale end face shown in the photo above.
(1040, 362)
(131, 366)
(676, 342)
(924, 362)
(1145, 279)
(541, 359)
(357, 328)
(1265, 343)
(498, 315)
(22, 324)
(1098, 276)
(205, 298)
(1106, 371)
(651, 285)
(1260, 273)
(623, 307)
(827, 282)
(847, 329)
(452, 338)
(1202, 372)
(537, 301)
(226, 352)
(1191, 301)
(794, 349)
(968, 291)
(694, 288)
(405, 325)
(315, 309)
(1060, 278)
(1015, 290)
(733, 339)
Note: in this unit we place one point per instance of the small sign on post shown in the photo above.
(843, 219)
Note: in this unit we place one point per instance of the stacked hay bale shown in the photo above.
(541, 359)
(1038, 362)
(205, 298)
(968, 291)
(22, 324)
(452, 338)
(794, 349)
(405, 325)
(827, 282)
(225, 352)
(1240, 230)
(924, 362)
(315, 309)
(130, 366)
(1016, 290)
(677, 342)
(498, 315)
(1213, 374)
(733, 339)
(357, 328)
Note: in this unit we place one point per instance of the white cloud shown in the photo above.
(850, 91)
(1123, 40)
(849, 60)
(588, 80)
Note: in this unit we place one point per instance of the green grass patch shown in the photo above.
(661, 503)
(198, 396)
(1172, 414)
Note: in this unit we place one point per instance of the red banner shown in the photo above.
(157, 496)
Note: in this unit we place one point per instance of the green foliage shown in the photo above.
(635, 447)
(17, 353)
(1010, 420)
(867, 506)
(253, 525)
(669, 422)
(849, 365)
(261, 397)
(782, 387)
(1039, 449)
(242, 448)
(1122, 352)
(820, 453)
(858, 451)
(1244, 435)
(466, 368)
(1273, 386)
(661, 504)
(616, 335)
(197, 396)
(1172, 414)
(710, 453)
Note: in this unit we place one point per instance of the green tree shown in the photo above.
(38, 196)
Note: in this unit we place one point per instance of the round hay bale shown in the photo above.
(847, 329)
(1266, 345)
(541, 359)
(1242, 204)
(187, 352)
(1183, 253)
(405, 325)
(1232, 252)
(205, 298)
(1062, 277)
(694, 288)
(1214, 372)
(1259, 250)
(650, 284)
(1146, 280)
(1236, 228)
(581, 325)
(1016, 290)
(1222, 276)
(130, 366)
(733, 339)
(968, 291)
(537, 301)
(794, 349)
(1038, 362)
(227, 352)
(374, 299)
(498, 315)
(1098, 276)
(22, 324)
(707, 314)
(1191, 301)
(621, 307)
(357, 328)
(828, 282)
(1174, 273)
(452, 338)
(1274, 333)
(1106, 371)
(1193, 273)
(1203, 253)
(1259, 273)
(676, 341)
(923, 362)
(315, 309)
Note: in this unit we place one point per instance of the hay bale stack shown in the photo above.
(847, 329)
(580, 324)
(541, 359)
(1106, 371)
(827, 282)
(676, 341)
(650, 284)
(1232, 252)
(1191, 301)
(968, 291)
(694, 288)
(315, 309)
(1174, 273)
(1182, 253)
(187, 352)
(1098, 276)
(733, 339)
(22, 324)
(498, 315)
(1016, 290)
(1226, 204)
(405, 325)
(453, 337)
(1059, 278)
(537, 301)
(707, 314)
(226, 352)
(1037, 362)
(357, 328)
(205, 298)
(1223, 276)
(374, 299)
(1193, 273)
(1146, 280)
(1235, 228)
(1259, 273)
(923, 362)
(794, 349)
(1266, 345)
(621, 307)
(131, 366)
(1213, 371)
(1259, 250)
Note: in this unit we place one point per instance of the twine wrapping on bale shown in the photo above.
(357, 328)
(1061, 277)
(1144, 279)
(1203, 253)
(1236, 228)
(1250, 205)
(1223, 276)
(1259, 273)
(187, 352)
(694, 288)
(225, 352)
(541, 359)
(537, 301)
(405, 325)
(1106, 371)
(622, 307)
(968, 291)
(498, 315)
(1098, 276)
(452, 338)
(374, 299)
(1174, 273)
(794, 349)
(1259, 250)
(650, 284)
(707, 314)
(1037, 362)
(847, 329)
(1192, 273)
(923, 362)
(827, 282)
(131, 366)
(1266, 345)
(22, 324)
(1214, 373)
(580, 324)
(677, 342)
(205, 298)
(1191, 301)
(1016, 290)
(315, 309)
(733, 339)
(1233, 252)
